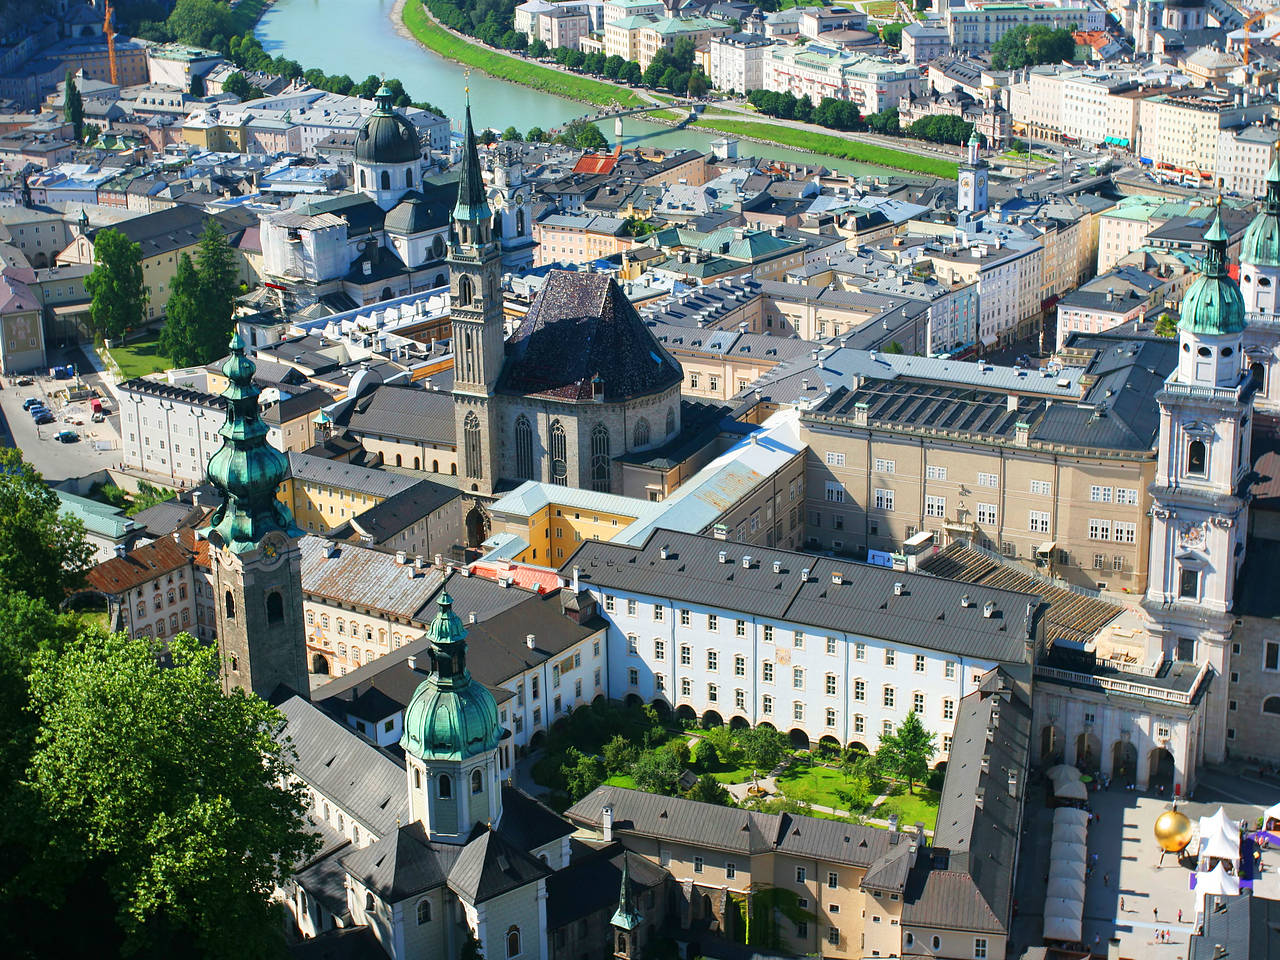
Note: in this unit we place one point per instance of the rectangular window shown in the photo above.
(859, 650)
(886, 466)
(697, 864)
(988, 480)
(1099, 494)
(608, 604)
(766, 672)
(948, 708)
(801, 875)
(986, 513)
(740, 699)
(932, 472)
(1125, 532)
(917, 702)
(831, 716)
(888, 697)
(766, 705)
(713, 693)
(859, 723)
(631, 608)
(979, 948)
(1271, 656)
(730, 870)
(1099, 529)
(935, 506)
(739, 666)
(831, 685)
(797, 711)
(833, 881)
(740, 628)
(713, 661)
(1041, 488)
(686, 687)
(686, 655)
(946, 743)
(1039, 521)
(920, 663)
(797, 678)
(884, 499)
(631, 646)
(833, 936)
(1126, 495)
(658, 612)
(859, 689)
(659, 649)
(1189, 584)
(835, 492)
(831, 646)
(797, 639)
(835, 459)
(768, 633)
(713, 622)
(685, 617)
(890, 657)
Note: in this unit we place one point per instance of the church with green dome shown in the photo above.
(1260, 288)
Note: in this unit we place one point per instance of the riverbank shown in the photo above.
(411, 19)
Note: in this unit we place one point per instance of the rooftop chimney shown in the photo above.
(576, 572)
(837, 577)
(804, 575)
(777, 566)
(746, 561)
(898, 587)
(663, 553)
(401, 557)
(1011, 403)
(472, 618)
(122, 550)
(413, 662)
(606, 823)
(988, 610)
(531, 641)
(966, 601)
(724, 557)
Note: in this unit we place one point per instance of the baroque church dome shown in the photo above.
(1261, 244)
(450, 717)
(386, 136)
(1213, 304)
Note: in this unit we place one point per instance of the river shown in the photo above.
(356, 37)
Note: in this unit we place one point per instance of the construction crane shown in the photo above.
(1253, 18)
(110, 34)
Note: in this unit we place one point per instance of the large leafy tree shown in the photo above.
(42, 553)
(180, 338)
(218, 288)
(762, 747)
(170, 792)
(908, 750)
(73, 105)
(1028, 45)
(119, 297)
(204, 23)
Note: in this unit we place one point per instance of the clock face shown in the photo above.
(272, 547)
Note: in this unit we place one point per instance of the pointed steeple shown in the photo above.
(626, 916)
(246, 469)
(1261, 244)
(1213, 304)
(472, 203)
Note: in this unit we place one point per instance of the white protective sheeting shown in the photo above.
(1071, 815)
(1216, 880)
(1219, 837)
(1059, 907)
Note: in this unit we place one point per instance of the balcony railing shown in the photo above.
(1133, 688)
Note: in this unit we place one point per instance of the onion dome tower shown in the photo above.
(1260, 287)
(450, 740)
(388, 153)
(1212, 322)
(254, 549)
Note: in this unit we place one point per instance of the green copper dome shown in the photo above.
(1212, 305)
(246, 469)
(1261, 244)
(473, 203)
(386, 136)
(450, 717)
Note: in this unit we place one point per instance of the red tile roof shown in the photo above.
(597, 162)
(138, 566)
(523, 575)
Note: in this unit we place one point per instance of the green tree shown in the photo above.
(631, 74)
(583, 134)
(908, 751)
(707, 789)
(613, 66)
(536, 135)
(202, 23)
(42, 553)
(218, 272)
(238, 86)
(197, 85)
(891, 33)
(762, 747)
(537, 49)
(682, 54)
(705, 756)
(654, 72)
(73, 105)
(885, 122)
(115, 284)
(698, 84)
(582, 773)
(657, 772)
(175, 794)
(1166, 326)
(512, 134)
(180, 337)
(1029, 45)
(893, 346)
(619, 754)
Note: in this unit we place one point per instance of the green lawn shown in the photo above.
(622, 780)
(812, 784)
(832, 146)
(139, 358)
(436, 38)
(881, 8)
(921, 806)
(1035, 157)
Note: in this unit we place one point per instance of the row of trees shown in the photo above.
(144, 808)
(844, 115)
(1028, 46)
(200, 316)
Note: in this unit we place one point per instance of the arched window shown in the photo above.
(471, 443)
(477, 782)
(399, 462)
(1271, 705)
(424, 911)
(1196, 458)
(275, 607)
(444, 787)
(513, 942)
(437, 251)
(368, 903)
(408, 178)
(520, 223)
(600, 458)
(415, 463)
(641, 433)
(364, 182)
(229, 605)
(559, 455)
(355, 834)
(435, 466)
(466, 291)
(417, 779)
(173, 597)
(386, 180)
(524, 449)
(671, 421)
(497, 225)
(326, 813)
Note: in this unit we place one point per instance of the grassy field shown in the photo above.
(881, 8)
(440, 40)
(139, 358)
(246, 14)
(1035, 157)
(812, 784)
(921, 806)
(622, 780)
(832, 146)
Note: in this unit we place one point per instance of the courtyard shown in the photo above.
(1128, 869)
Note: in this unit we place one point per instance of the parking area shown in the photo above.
(98, 446)
(1132, 896)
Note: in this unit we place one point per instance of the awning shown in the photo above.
(1070, 790)
(1067, 869)
(1069, 832)
(1062, 928)
(988, 341)
(1046, 548)
(1067, 852)
(1117, 141)
(1058, 907)
(1144, 160)
(1070, 815)
(1066, 888)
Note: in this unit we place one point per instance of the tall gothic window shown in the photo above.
(600, 458)
(364, 182)
(408, 178)
(524, 448)
(466, 291)
(559, 455)
(386, 180)
(471, 441)
(671, 421)
(641, 433)
(520, 223)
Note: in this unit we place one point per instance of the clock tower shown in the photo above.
(257, 580)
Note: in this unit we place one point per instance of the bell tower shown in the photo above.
(625, 919)
(1260, 285)
(257, 579)
(1199, 513)
(973, 179)
(475, 265)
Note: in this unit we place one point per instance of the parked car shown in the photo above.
(30, 402)
(66, 436)
(44, 416)
(38, 409)
(25, 382)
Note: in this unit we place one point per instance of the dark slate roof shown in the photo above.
(419, 212)
(1245, 927)
(342, 943)
(384, 520)
(296, 405)
(367, 783)
(161, 519)
(401, 411)
(582, 325)
(529, 824)
(591, 882)
(323, 876)
(403, 864)
(490, 865)
(928, 613)
(175, 228)
(1255, 594)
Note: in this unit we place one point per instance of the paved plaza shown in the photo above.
(1128, 869)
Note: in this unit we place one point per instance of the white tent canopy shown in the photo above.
(1062, 928)
(1219, 837)
(1062, 771)
(1071, 815)
(1066, 888)
(1065, 850)
(1066, 869)
(1222, 823)
(1271, 813)
(1216, 880)
(1060, 907)
(1070, 790)
(1070, 832)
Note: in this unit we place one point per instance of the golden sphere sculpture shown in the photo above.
(1173, 831)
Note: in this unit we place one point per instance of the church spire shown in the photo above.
(246, 469)
(472, 203)
(627, 917)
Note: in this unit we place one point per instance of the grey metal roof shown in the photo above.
(367, 783)
(928, 612)
(348, 476)
(386, 519)
(401, 411)
(403, 864)
(359, 576)
(592, 880)
(323, 875)
(1243, 927)
(490, 866)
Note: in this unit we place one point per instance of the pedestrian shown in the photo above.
(1106, 879)
(1155, 914)
(1179, 914)
(1122, 904)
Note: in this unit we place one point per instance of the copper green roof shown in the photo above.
(450, 716)
(472, 203)
(1261, 244)
(626, 916)
(1212, 305)
(246, 469)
